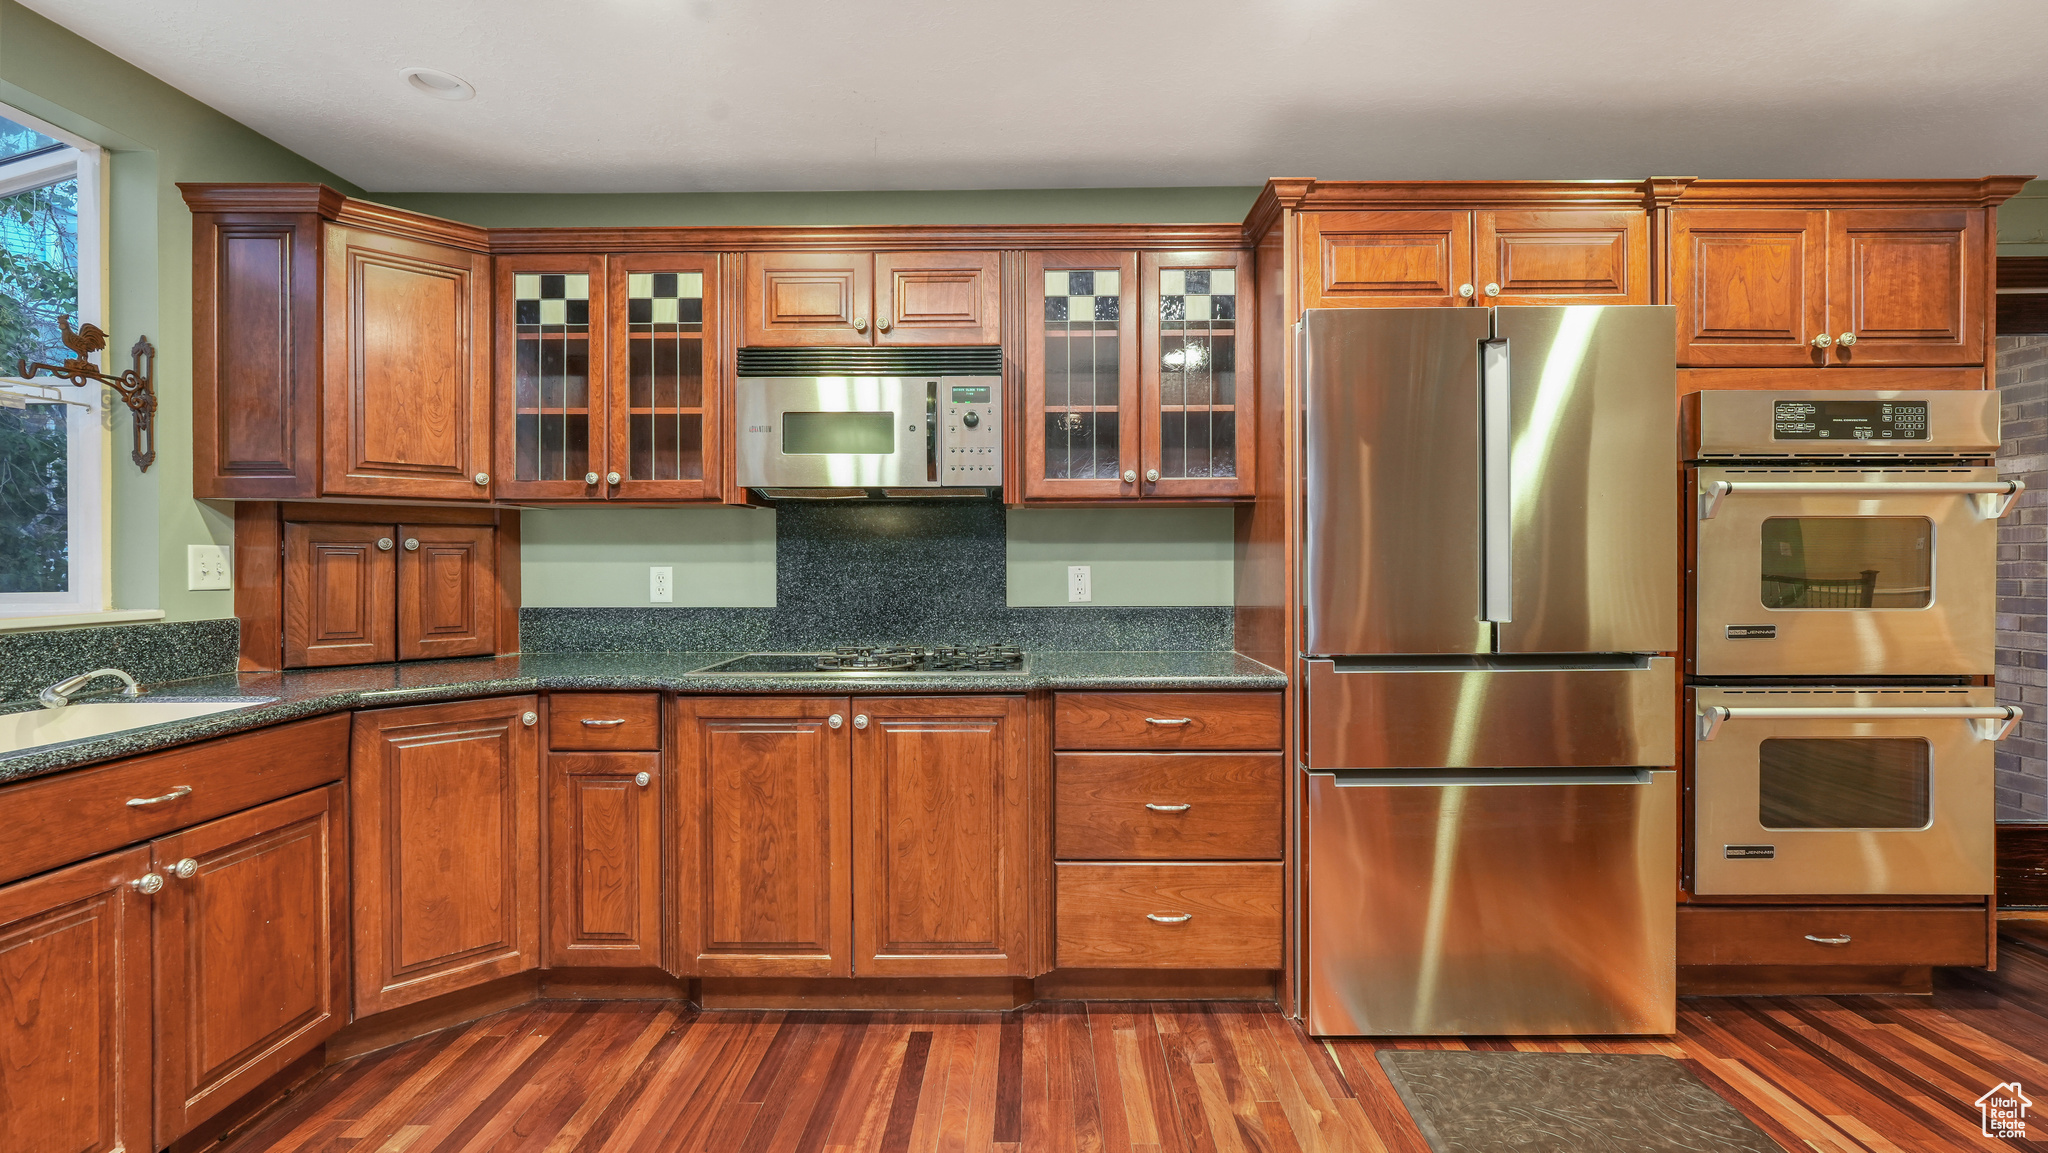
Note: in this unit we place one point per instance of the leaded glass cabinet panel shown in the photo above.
(664, 384)
(551, 414)
(1080, 420)
(1196, 411)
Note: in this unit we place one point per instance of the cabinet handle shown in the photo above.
(1846, 339)
(147, 884)
(1823, 340)
(1465, 290)
(483, 478)
(185, 869)
(1130, 476)
(1169, 918)
(383, 544)
(589, 478)
(1169, 720)
(604, 723)
(177, 794)
(1841, 940)
(412, 544)
(1493, 290)
(1151, 476)
(529, 719)
(860, 721)
(860, 324)
(642, 779)
(1181, 808)
(881, 325)
(611, 478)
(834, 721)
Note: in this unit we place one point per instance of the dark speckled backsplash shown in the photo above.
(153, 653)
(917, 572)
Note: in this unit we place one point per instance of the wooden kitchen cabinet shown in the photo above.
(942, 843)
(250, 931)
(1418, 259)
(75, 1009)
(763, 837)
(1437, 258)
(604, 859)
(1911, 285)
(841, 299)
(1195, 411)
(369, 593)
(444, 807)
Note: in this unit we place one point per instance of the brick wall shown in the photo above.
(2023, 578)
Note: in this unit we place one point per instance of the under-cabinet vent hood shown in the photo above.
(974, 361)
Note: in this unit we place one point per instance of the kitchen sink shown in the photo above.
(28, 730)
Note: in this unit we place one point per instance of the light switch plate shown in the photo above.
(1078, 583)
(661, 584)
(206, 567)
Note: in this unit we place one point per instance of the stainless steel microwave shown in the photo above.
(869, 432)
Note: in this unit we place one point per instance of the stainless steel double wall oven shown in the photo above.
(1843, 572)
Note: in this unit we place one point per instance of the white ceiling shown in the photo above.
(744, 95)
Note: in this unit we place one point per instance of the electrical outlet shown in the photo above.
(1077, 583)
(661, 584)
(206, 567)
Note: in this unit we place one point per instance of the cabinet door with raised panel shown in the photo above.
(1080, 405)
(75, 1009)
(407, 374)
(762, 869)
(938, 298)
(339, 581)
(551, 395)
(604, 859)
(1196, 412)
(444, 807)
(1387, 259)
(1562, 256)
(1750, 286)
(943, 838)
(447, 591)
(805, 298)
(249, 964)
(1907, 286)
(666, 419)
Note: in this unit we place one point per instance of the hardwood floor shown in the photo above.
(1827, 1073)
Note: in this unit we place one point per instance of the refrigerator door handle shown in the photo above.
(1442, 778)
(1496, 465)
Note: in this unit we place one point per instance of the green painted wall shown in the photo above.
(2023, 222)
(156, 136)
(598, 557)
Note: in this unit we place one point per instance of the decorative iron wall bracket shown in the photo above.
(137, 386)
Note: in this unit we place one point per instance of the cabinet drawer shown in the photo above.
(604, 722)
(56, 820)
(1875, 936)
(1168, 806)
(1106, 916)
(1167, 721)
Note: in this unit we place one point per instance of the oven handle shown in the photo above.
(1714, 492)
(1989, 722)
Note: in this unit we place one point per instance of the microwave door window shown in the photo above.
(1847, 562)
(838, 433)
(1845, 783)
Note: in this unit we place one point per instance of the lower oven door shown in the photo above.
(1846, 572)
(1840, 791)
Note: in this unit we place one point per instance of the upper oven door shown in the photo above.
(1878, 791)
(1845, 571)
(836, 432)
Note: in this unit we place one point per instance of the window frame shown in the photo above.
(90, 434)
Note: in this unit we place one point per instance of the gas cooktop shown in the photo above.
(888, 659)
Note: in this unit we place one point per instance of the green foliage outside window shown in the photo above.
(38, 284)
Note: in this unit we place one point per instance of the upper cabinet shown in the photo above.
(846, 299)
(1423, 258)
(608, 369)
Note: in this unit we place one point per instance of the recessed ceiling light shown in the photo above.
(438, 84)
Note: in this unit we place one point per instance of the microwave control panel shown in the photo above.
(971, 449)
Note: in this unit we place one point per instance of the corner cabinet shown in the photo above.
(609, 377)
(1132, 369)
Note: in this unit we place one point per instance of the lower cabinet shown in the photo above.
(604, 859)
(836, 836)
(444, 804)
(238, 919)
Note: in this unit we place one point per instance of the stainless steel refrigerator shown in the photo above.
(1491, 564)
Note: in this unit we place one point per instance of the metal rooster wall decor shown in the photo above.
(137, 386)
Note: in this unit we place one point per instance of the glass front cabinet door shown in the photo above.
(603, 364)
(1196, 422)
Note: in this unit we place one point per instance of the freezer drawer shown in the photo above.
(1492, 713)
(1516, 909)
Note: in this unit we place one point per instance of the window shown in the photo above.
(52, 435)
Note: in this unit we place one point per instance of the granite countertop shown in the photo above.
(291, 696)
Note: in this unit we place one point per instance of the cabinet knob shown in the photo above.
(882, 325)
(1130, 477)
(860, 324)
(1823, 340)
(148, 883)
(529, 719)
(642, 779)
(412, 544)
(483, 478)
(589, 478)
(611, 478)
(1846, 339)
(1493, 290)
(834, 720)
(1465, 290)
(383, 544)
(185, 869)
(860, 721)
(1151, 476)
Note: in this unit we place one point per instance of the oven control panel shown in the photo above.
(1849, 420)
(971, 445)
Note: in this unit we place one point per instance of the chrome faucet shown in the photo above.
(59, 694)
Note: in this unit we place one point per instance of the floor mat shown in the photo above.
(1492, 1102)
